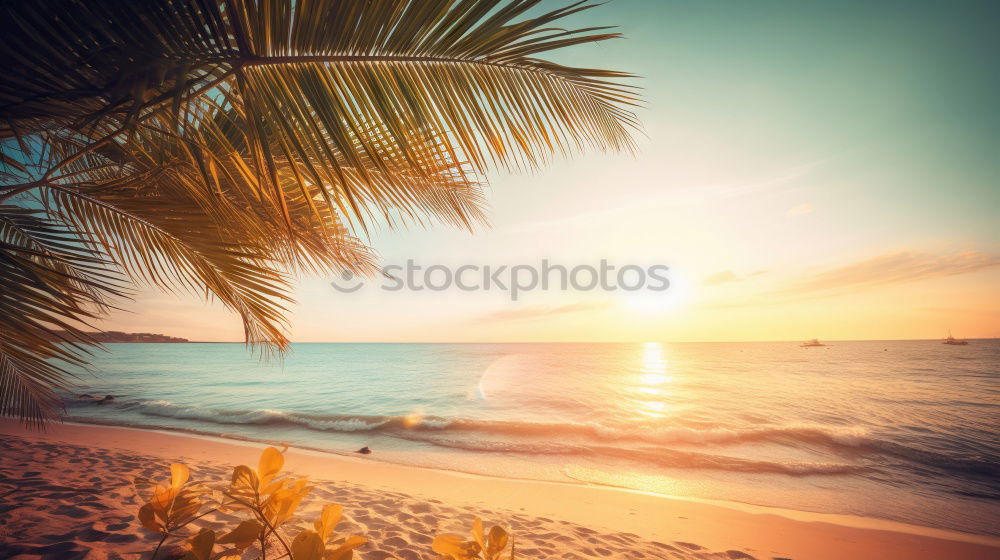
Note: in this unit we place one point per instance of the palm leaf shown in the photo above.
(222, 146)
(52, 288)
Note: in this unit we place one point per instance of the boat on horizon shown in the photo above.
(812, 343)
(954, 341)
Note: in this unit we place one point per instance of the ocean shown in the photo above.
(901, 430)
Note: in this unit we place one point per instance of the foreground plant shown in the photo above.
(170, 507)
(489, 546)
(219, 147)
(271, 501)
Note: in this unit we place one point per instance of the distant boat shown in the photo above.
(811, 343)
(954, 341)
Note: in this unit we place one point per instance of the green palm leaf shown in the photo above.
(52, 288)
(221, 146)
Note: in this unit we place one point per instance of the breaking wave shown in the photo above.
(643, 442)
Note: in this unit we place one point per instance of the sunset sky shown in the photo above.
(808, 170)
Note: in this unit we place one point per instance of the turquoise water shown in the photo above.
(901, 430)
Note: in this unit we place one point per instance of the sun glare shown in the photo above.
(652, 409)
(651, 380)
(654, 366)
(651, 303)
(654, 304)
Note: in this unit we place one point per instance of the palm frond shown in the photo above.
(53, 288)
(222, 146)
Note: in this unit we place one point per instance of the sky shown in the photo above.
(806, 170)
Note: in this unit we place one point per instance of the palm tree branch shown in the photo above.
(151, 252)
(217, 145)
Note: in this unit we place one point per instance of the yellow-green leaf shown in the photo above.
(477, 533)
(243, 476)
(185, 504)
(243, 535)
(201, 545)
(454, 546)
(328, 520)
(271, 461)
(344, 550)
(496, 541)
(179, 475)
(147, 517)
(307, 545)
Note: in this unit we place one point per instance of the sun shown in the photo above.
(650, 303)
(655, 304)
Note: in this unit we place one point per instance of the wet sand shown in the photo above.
(67, 494)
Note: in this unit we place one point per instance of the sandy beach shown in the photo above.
(66, 493)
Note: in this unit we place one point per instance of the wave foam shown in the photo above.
(537, 438)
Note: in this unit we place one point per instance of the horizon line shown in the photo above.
(561, 341)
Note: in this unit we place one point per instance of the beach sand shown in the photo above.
(66, 494)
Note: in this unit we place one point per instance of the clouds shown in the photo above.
(800, 210)
(722, 277)
(892, 268)
(888, 269)
(540, 311)
(728, 276)
(680, 195)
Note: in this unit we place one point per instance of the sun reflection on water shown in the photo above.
(652, 379)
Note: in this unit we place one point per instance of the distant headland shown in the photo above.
(118, 336)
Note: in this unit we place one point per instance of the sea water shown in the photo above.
(900, 430)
